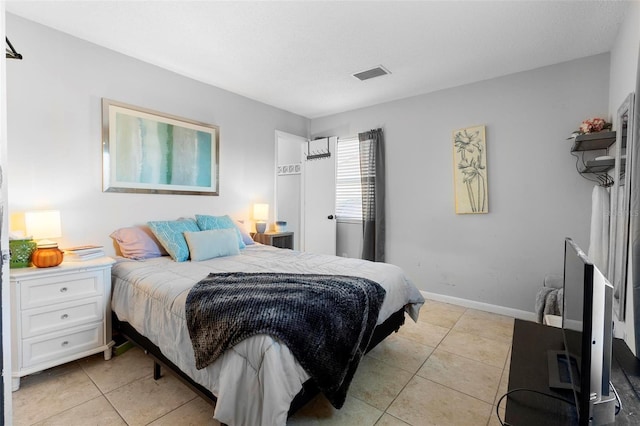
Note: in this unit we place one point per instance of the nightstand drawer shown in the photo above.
(62, 288)
(62, 344)
(60, 316)
(275, 239)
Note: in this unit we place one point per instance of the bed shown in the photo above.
(258, 381)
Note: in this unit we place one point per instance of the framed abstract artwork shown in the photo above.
(145, 151)
(470, 170)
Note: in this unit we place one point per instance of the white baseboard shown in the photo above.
(481, 306)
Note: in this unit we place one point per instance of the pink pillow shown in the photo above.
(138, 243)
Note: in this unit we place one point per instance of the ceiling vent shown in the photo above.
(373, 72)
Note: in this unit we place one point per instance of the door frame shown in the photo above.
(5, 307)
(279, 134)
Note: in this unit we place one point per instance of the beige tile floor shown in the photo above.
(450, 368)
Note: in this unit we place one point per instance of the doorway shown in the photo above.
(305, 191)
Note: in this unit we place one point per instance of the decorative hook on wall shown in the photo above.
(11, 52)
(315, 155)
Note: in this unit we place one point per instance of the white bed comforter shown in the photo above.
(256, 380)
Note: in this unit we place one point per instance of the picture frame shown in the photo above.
(146, 151)
(289, 169)
(470, 170)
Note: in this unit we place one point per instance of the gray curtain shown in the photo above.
(373, 182)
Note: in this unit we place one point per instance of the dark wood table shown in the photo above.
(529, 370)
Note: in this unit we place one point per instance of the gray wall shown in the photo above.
(536, 198)
(54, 135)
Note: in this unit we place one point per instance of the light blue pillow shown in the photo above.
(170, 235)
(207, 223)
(205, 245)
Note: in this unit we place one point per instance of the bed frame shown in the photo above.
(309, 388)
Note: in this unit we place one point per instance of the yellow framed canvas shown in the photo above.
(470, 170)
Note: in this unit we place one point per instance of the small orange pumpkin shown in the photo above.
(47, 257)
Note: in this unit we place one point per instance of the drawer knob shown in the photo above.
(64, 316)
(65, 343)
(63, 290)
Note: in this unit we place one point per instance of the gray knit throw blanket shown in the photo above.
(325, 320)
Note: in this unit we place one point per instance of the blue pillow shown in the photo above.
(170, 235)
(205, 245)
(207, 223)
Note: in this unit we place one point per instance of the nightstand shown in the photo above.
(275, 239)
(59, 314)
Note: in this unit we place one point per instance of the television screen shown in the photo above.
(587, 332)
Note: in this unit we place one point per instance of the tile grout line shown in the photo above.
(455, 390)
(79, 366)
(416, 373)
(178, 407)
(415, 343)
(104, 395)
(495, 399)
(470, 359)
(66, 410)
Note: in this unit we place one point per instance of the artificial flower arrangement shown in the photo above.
(592, 125)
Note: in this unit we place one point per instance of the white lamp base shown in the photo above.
(261, 227)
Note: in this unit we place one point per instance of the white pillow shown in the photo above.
(205, 245)
(243, 232)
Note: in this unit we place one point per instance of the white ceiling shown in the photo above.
(300, 55)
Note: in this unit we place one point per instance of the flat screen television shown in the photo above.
(587, 329)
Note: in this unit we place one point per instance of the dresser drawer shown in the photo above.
(59, 345)
(60, 316)
(60, 288)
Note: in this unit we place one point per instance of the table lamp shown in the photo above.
(261, 215)
(42, 225)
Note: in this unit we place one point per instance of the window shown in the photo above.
(348, 183)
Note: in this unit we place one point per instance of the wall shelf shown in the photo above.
(598, 166)
(592, 141)
(603, 166)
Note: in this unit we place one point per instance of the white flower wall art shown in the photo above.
(470, 170)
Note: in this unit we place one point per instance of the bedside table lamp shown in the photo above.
(42, 225)
(261, 215)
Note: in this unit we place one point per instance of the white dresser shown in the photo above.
(59, 314)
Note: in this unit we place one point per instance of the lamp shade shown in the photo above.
(261, 212)
(43, 224)
(261, 215)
